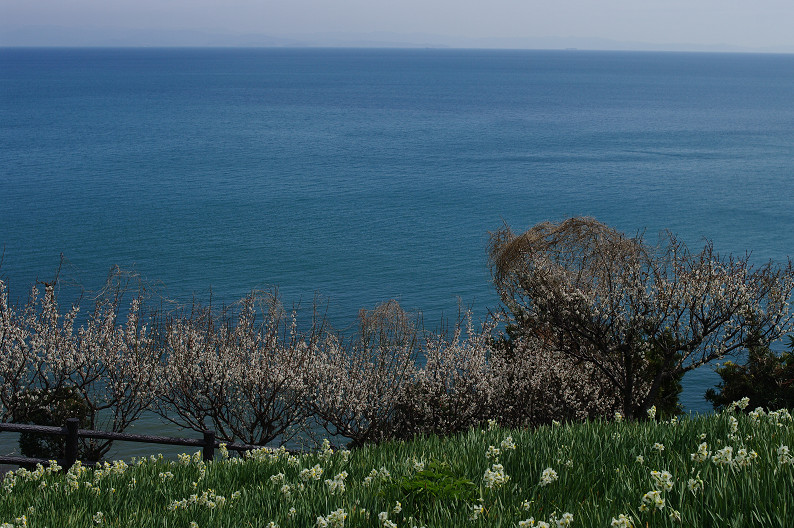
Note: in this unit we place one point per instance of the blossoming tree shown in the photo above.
(107, 365)
(357, 385)
(243, 374)
(642, 314)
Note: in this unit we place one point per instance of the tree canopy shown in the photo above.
(642, 314)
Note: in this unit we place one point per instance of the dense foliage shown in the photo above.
(728, 469)
(53, 407)
(766, 378)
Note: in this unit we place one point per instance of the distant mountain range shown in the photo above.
(47, 36)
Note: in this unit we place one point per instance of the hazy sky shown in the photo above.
(746, 23)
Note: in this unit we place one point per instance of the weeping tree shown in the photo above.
(642, 314)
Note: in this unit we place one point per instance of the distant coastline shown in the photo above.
(59, 36)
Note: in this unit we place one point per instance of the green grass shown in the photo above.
(440, 482)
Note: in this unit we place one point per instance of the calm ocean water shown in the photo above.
(366, 175)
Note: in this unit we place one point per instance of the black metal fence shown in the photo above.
(73, 433)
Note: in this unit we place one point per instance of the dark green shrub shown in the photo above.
(50, 407)
(766, 378)
(435, 482)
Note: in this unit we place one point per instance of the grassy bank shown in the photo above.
(651, 473)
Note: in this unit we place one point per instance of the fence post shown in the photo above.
(72, 425)
(209, 445)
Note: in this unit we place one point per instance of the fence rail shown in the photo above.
(73, 433)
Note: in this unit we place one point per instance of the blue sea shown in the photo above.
(364, 175)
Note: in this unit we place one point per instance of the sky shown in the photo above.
(754, 25)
